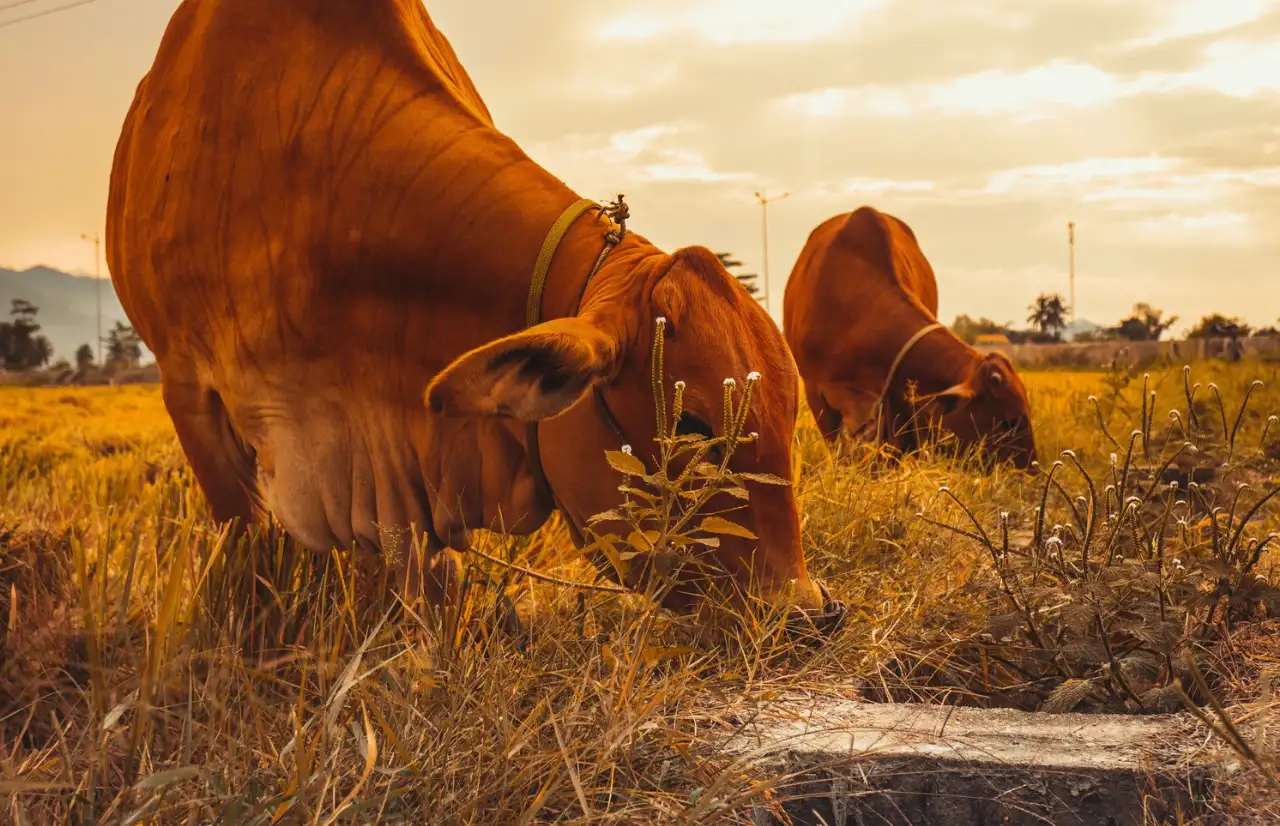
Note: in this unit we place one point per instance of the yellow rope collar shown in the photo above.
(893, 370)
(533, 314)
(537, 284)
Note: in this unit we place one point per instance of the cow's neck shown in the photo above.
(934, 363)
(491, 240)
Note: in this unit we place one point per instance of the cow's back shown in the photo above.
(245, 161)
(859, 288)
(856, 272)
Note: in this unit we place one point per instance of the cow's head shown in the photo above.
(712, 330)
(988, 406)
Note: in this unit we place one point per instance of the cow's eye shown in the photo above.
(691, 425)
(1014, 424)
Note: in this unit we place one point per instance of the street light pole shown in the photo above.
(764, 236)
(97, 276)
(1071, 264)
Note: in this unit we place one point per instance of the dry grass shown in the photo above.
(155, 672)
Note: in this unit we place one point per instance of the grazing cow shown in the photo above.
(860, 315)
(372, 311)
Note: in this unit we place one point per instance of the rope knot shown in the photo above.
(618, 212)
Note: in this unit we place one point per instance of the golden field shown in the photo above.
(154, 672)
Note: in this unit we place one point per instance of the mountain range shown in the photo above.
(1075, 328)
(68, 306)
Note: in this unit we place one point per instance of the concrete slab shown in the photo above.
(867, 763)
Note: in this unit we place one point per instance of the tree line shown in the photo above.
(1047, 320)
(24, 347)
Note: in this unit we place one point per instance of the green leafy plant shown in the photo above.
(668, 513)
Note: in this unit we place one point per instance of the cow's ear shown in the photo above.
(952, 399)
(531, 375)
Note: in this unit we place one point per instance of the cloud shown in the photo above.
(1132, 183)
(738, 22)
(1190, 18)
(1232, 68)
(879, 187)
(1236, 69)
(1215, 228)
(653, 154)
(1076, 173)
(1056, 84)
(1033, 92)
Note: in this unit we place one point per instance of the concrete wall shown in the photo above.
(1098, 353)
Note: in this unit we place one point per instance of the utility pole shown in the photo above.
(97, 276)
(1071, 264)
(764, 236)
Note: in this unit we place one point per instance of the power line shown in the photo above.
(44, 13)
(8, 6)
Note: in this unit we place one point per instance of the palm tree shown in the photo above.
(1048, 314)
(746, 279)
(124, 347)
(84, 357)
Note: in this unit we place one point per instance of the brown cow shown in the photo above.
(312, 216)
(860, 315)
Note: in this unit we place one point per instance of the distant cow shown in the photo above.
(313, 219)
(860, 315)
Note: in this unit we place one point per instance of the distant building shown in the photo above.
(991, 338)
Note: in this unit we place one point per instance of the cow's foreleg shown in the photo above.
(827, 418)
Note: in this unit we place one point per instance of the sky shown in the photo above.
(986, 125)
